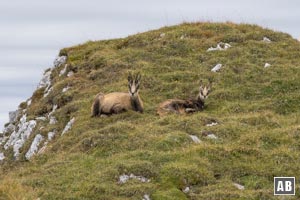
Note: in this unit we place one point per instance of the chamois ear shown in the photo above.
(138, 77)
(201, 84)
(209, 85)
(129, 77)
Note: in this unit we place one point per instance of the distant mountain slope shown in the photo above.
(248, 133)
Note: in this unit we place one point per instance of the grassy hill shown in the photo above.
(256, 110)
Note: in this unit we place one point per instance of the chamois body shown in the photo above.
(117, 102)
(182, 106)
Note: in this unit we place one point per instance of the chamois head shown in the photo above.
(204, 91)
(134, 84)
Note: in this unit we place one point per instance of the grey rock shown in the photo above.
(212, 124)
(162, 35)
(18, 138)
(267, 65)
(63, 71)
(70, 73)
(60, 60)
(267, 40)
(195, 139)
(212, 136)
(65, 89)
(46, 80)
(124, 178)
(216, 68)
(51, 135)
(34, 146)
(41, 118)
(186, 190)
(2, 157)
(146, 197)
(220, 47)
(52, 120)
(13, 116)
(68, 126)
(238, 186)
(9, 129)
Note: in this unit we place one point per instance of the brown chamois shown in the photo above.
(180, 106)
(117, 102)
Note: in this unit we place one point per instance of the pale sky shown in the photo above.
(33, 31)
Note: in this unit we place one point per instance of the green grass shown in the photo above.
(257, 110)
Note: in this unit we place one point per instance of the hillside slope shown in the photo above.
(53, 149)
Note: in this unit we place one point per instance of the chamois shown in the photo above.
(180, 106)
(117, 102)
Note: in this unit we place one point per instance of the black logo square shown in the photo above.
(284, 185)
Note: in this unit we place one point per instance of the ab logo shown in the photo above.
(284, 185)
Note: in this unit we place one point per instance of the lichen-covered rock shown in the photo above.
(70, 73)
(267, 40)
(9, 129)
(183, 36)
(146, 197)
(162, 35)
(13, 116)
(195, 139)
(47, 91)
(124, 178)
(52, 120)
(267, 65)
(19, 137)
(186, 190)
(68, 126)
(63, 71)
(51, 135)
(2, 157)
(212, 136)
(29, 101)
(220, 47)
(60, 60)
(46, 80)
(212, 124)
(53, 110)
(238, 186)
(2, 139)
(216, 68)
(66, 89)
(34, 146)
(41, 118)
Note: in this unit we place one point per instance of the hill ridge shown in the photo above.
(246, 135)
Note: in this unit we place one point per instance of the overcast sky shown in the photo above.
(33, 31)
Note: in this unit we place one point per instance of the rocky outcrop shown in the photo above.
(216, 68)
(220, 47)
(34, 146)
(19, 137)
(68, 126)
(19, 129)
(60, 60)
(13, 116)
(124, 178)
(266, 40)
(2, 156)
(195, 139)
